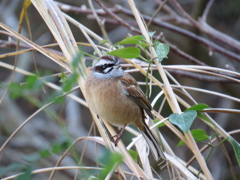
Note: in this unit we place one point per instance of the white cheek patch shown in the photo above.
(116, 72)
(100, 75)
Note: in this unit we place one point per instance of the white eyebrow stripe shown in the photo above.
(107, 69)
(103, 61)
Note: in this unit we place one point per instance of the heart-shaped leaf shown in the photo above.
(162, 50)
(198, 108)
(184, 120)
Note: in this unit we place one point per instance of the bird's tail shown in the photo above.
(153, 143)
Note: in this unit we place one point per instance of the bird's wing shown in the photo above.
(135, 93)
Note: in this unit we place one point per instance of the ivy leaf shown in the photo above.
(198, 135)
(128, 52)
(184, 120)
(198, 108)
(162, 50)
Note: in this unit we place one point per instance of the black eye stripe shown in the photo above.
(103, 67)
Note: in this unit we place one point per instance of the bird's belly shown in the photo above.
(115, 107)
(119, 113)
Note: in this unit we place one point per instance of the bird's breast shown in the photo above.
(110, 102)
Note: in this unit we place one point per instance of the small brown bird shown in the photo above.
(116, 98)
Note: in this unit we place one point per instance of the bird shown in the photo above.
(116, 98)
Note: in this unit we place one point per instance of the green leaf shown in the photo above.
(198, 107)
(162, 50)
(70, 82)
(184, 120)
(27, 175)
(129, 52)
(103, 41)
(60, 145)
(134, 154)
(198, 135)
(31, 157)
(45, 153)
(151, 34)
(63, 77)
(15, 90)
(57, 97)
(33, 83)
(236, 148)
(132, 40)
(10, 168)
(156, 121)
(109, 160)
(203, 117)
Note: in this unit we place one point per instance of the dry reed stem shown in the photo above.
(169, 92)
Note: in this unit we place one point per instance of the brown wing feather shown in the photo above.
(135, 93)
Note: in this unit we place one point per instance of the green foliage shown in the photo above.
(128, 52)
(198, 134)
(183, 120)
(161, 49)
(26, 170)
(11, 167)
(198, 107)
(57, 97)
(61, 145)
(63, 77)
(56, 148)
(103, 41)
(151, 33)
(236, 148)
(27, 174)
(32, 85)
(134, 154)
(45, 153)
(156, 121)
(69, 82)
(109, 160)
(138, 40)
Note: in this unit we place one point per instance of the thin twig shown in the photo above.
(206, 10)
(156, 12)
